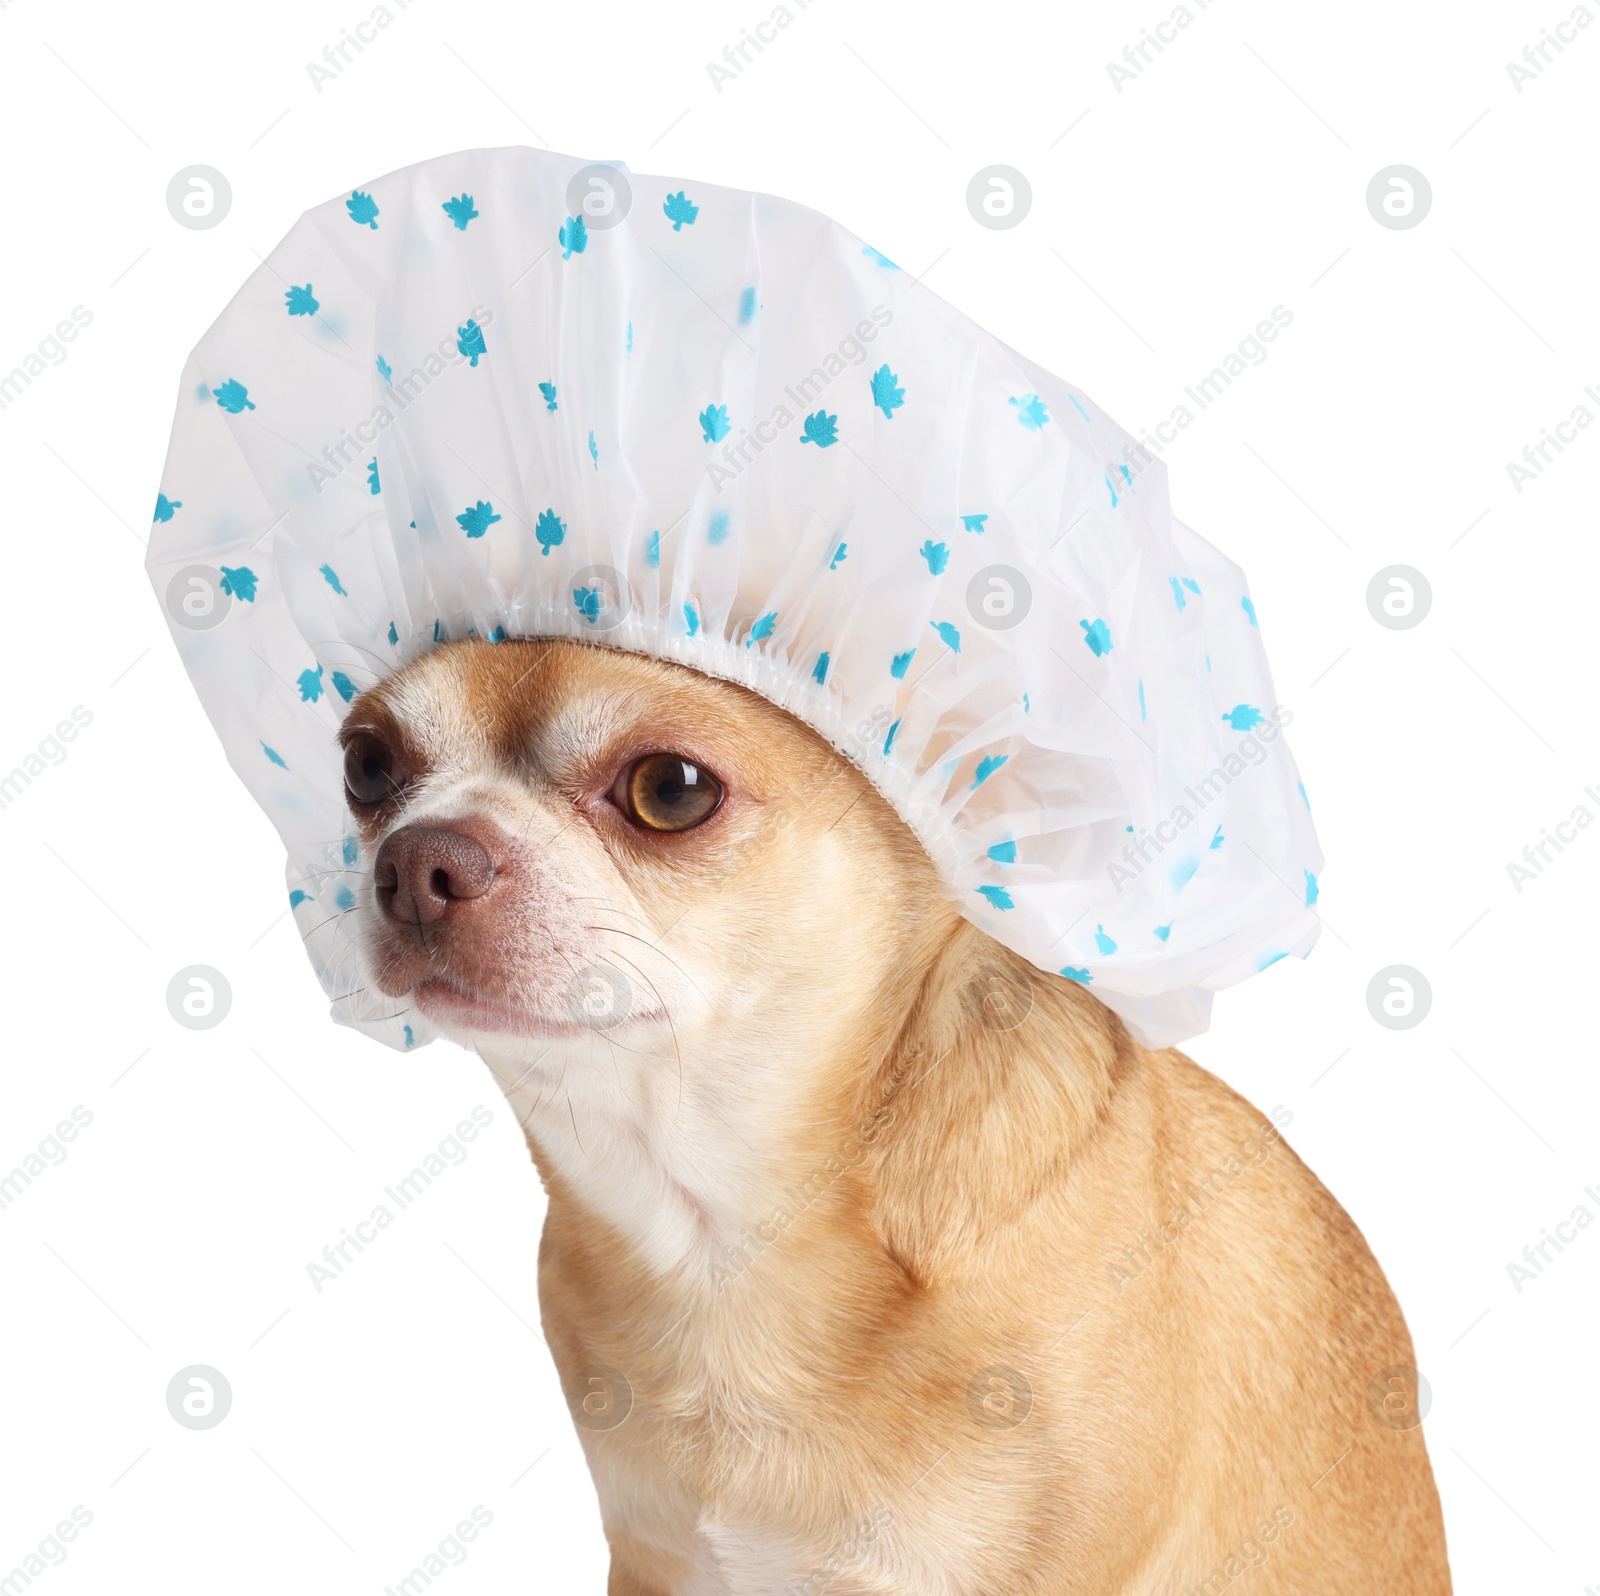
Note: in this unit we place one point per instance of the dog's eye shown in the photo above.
(664, 792)
(369, 770)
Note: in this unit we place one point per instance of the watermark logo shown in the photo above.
(999, 597)
(999, 1398)
(1003, 997)
(1399, 997)
(1399, 597)
(1398, 1397)
(599, 996)
(602, 597)
(600, 194)
(600, 1398)
(199, 197)
(197, 599)
(199, 1397)
(199, 997)
(1399, 197)
(999, 197)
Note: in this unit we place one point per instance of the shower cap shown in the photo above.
(510, 394)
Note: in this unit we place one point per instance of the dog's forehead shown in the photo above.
(557, 702)
(466, 701)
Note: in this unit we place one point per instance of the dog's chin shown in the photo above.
(462, 1013)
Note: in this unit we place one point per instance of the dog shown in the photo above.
(876, 1258)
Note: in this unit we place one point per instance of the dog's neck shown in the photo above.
(703, 1156)
(687, 1149)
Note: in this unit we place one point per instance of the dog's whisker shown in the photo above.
(516, 1084)
(385, 667)
(331, 920)
(335, 870)
(538, 1103)
(655, 947)
(672, 1027)
(397, 1014)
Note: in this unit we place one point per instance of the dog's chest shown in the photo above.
(772, 1528)
(740, 1562)
(722, 1559)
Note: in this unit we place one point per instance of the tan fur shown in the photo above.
(865, 1238)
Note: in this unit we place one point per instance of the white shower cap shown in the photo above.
(507, 394)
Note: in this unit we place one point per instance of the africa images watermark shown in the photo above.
(1536, 1256)
(336, 57)
(1251, 350)
(738, 1256)
(1151, 42)
(1552, 42)
(1536, 855)
(50, 750)
(739, 55)
(355, 443)
(51, 350)
(50, 1553)
(1147, 844)
(51, 1150)
(336, 1256)
(1536, 456)
(848, 1557)
(737, 453)
(1251, 1552)
(451, 1552)
(1195, 1198)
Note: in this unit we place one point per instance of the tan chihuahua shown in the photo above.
(877, 1260)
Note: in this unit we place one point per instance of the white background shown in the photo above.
(1168, 219)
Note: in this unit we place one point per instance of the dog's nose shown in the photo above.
(423, 871)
